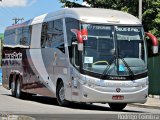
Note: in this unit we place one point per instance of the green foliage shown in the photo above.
(1, 40)
(70, 4)
(1, 36)
(151, 10)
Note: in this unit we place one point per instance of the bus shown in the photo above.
(85, 55)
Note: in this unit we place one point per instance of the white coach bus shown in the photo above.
(84, 55)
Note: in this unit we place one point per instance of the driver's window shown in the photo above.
(76, 56)
(71, 24)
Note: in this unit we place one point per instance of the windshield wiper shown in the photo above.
(129, 69)
(125, 63)
(105, 72)
(117, 57)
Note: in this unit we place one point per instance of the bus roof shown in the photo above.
(88, 15)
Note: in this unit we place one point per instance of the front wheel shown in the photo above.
(117, 106)
(60, 93)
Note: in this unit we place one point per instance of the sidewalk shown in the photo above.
(151, 103)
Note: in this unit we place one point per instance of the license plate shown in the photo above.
(117, 97)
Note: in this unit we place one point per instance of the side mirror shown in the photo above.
(84, 34)
(154, 41)
(80, 41)
(81, 35)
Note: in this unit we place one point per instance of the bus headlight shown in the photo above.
(74, 82)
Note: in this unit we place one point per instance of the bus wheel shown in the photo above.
(117, 106)
(13, 89)
(18, 89)
(60, 93)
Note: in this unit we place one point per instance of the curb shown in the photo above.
(155, 96)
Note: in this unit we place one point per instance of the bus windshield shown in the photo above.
(130, 42)
(98, 48)
(108, 44)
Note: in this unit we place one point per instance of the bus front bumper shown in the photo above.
(92, 95)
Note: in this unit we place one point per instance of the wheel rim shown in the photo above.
(61, 94)
(12, 86)
(18, 88)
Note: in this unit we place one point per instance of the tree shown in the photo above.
(151, 11)
(70, 4)
(151, 16)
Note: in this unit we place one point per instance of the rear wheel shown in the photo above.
(13, 88)
(60, 93)
(18, 89)
(117, 106)
(26, 95)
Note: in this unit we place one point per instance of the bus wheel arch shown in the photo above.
(60, 93)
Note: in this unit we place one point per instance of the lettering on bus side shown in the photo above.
(12, 59)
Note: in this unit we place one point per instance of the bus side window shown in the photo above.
(26, 36)
(18, 36)
(52, 35)
(44, 34)
(9, 38)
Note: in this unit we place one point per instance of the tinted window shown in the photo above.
(9, 37)
(26, 36)
(52, 35)
(18, 36)
(72, 24)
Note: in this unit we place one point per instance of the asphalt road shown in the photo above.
(45, 108)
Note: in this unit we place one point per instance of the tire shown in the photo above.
(117, 106)
(13, 88)
(18, 89)
(26, 95)
(60, 93)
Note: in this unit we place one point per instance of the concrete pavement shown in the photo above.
(151, 103)
(40, 108)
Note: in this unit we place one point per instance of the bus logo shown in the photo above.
(118, 90)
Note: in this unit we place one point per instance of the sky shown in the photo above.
(26, 9)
